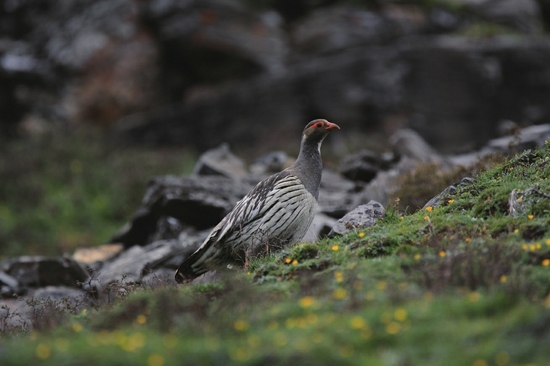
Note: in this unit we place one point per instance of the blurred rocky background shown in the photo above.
(198, 73)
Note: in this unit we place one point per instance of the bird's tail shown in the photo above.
(192, 267)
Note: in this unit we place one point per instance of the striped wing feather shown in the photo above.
(277, 212)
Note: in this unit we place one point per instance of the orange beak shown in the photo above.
(332, 126)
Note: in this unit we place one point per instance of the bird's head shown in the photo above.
(318, 129)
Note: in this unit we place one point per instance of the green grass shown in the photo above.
(460, 284)
(67, 190)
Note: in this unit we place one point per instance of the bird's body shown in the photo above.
(274, 214)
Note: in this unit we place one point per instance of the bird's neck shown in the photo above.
(309, 166)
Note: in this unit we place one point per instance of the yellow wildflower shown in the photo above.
(473, 296)
(481, 362)
(339, 294)
(240, 325)
(357, 322)
(141, 319)
(400, 314)
(43, 351)
(429, 208)
(502, 358)
(335, 248)
(239, 354)
(307, 301)
(393, 328)
(155, 360)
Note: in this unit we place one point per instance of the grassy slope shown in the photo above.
(462, 284)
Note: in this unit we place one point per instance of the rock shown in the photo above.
(448, 192)
(137, 261)
(364, 165)
(220, 161)
(22, 77)
(409, 143)
(9, 285)
(220, 33)
(94, 254)
(210, 277)
(320, 227)
(451, 90)
(58, 293)
(196, 201)
(42, 271)
(526, 138)
(524, 15)
(476, 79)
(39, 308)
(521, 201)
(336, 195)
(411, 149)
(336, 28)
(121, 78)
(362, 216)
(507, 128)
(270, 163)
(189, 240)
(379, 188)
(168, 227)
(159, 278)
(522, 139)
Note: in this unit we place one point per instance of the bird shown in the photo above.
(275, 214)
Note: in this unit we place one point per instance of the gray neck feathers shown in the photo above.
(308, 167)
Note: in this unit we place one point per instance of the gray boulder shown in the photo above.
(448, 193)
(220, 161)
(9, 285)
(43, 271)
(365, 165)
(195, 201)
(521, 201)
(361, 217)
